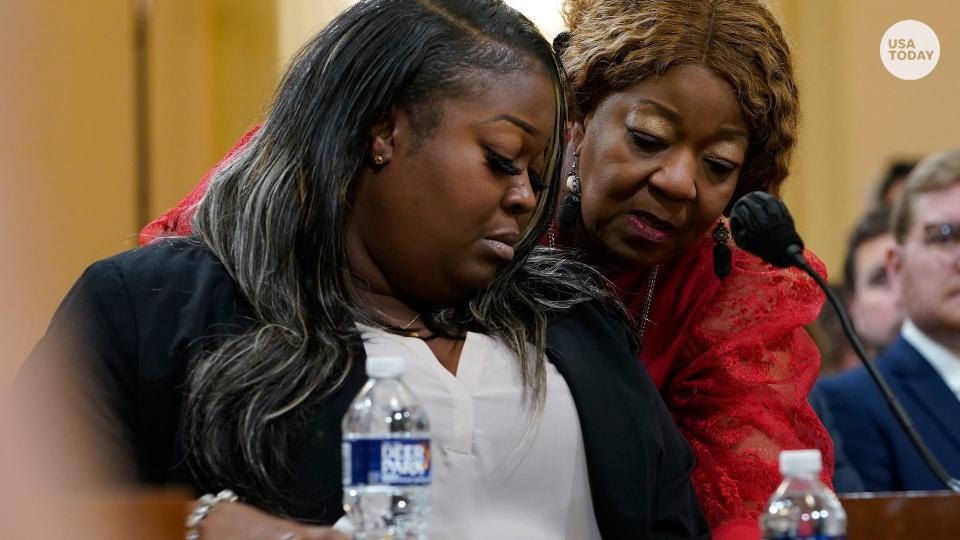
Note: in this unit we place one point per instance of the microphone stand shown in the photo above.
(796, 254)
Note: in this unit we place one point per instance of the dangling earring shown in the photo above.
(570, 209)
(722, 258)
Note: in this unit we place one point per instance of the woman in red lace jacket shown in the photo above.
(680, 108)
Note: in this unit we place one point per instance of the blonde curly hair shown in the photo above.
(614, 44)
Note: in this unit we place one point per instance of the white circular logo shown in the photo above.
(910, 50)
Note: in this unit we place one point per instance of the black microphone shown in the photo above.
(762, 225)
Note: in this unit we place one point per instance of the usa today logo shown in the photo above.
(910, 50)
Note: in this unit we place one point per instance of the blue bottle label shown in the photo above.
(386, 461)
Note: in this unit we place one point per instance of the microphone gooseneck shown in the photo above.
(762, 225)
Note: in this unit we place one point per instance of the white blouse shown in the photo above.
(499, 471)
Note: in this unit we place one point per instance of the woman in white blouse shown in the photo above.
(390, 203)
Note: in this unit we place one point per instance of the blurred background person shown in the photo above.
(871, 300)
(923, 364)
(888, 188)
(865, 291)
(836, 353)
(875, 309)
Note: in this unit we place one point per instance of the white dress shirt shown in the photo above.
(499, 470)
(943, 360)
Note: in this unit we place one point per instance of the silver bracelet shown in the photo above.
(207, 503)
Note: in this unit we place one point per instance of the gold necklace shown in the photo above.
(406, 328)
(401, 330)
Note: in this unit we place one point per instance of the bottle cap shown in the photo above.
(796, 462)
(384, 366)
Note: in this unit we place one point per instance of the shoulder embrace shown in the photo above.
(602, 320)
(150, 283)
(164, 260)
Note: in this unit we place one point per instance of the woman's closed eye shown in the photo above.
(502, 165)
(652, 144)
(646, 142)
(720, 167)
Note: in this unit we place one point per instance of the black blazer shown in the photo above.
(874, 443)
(138, 318)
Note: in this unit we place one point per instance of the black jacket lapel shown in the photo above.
(638, 462)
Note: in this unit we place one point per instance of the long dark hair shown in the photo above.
(275, 216)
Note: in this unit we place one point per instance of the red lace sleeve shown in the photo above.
(176, 221)
(739, 389)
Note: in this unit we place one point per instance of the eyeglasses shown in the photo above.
(942, 236)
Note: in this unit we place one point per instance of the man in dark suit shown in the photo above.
(923, 364)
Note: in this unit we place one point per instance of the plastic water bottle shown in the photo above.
(386, 457)
(802, 508)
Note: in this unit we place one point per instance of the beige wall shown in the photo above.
(66, 152)
(68, 131)
(298, 20)
(213, 66)
(181, 94)
(856, 115)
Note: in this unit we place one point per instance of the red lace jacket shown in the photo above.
(734, 365)
(731, 359)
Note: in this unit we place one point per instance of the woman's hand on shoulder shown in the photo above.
(238, 521)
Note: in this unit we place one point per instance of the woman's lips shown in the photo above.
(500, 249)
(650, 228)
(501, 244)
